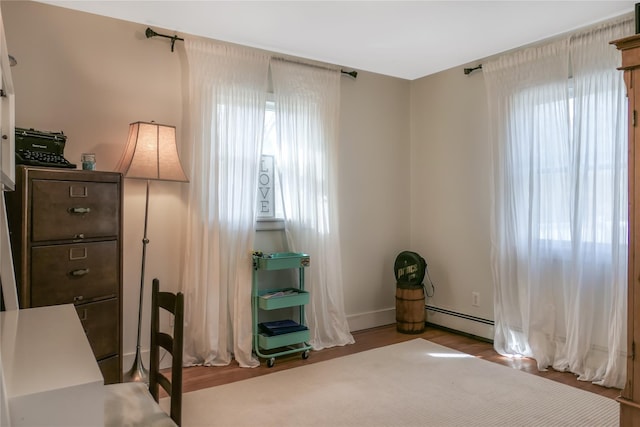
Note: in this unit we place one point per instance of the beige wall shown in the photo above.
(91, 76)
(450, 192)
(375, 198)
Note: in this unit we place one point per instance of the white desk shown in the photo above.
(50, 373)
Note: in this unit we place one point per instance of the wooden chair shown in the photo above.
(133, 404)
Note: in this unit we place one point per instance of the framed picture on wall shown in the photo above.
(266, 187)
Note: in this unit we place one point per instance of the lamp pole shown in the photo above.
(138, 372)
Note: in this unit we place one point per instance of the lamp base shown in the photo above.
(137, 373)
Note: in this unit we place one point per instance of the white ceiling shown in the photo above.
(406, 39)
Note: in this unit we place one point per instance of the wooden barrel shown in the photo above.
(410, 309)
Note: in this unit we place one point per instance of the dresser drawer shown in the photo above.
(100, 323)
(111, 371)
(74, 273)
(65, 210)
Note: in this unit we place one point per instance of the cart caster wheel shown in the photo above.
(271, 362)
(305, 354)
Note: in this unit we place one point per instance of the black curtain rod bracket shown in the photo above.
(150, 33)
(352, 73)
(468, 71)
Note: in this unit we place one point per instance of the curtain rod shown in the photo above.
(150, 33)
(352, 73)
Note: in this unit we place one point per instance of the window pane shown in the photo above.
(269, 205)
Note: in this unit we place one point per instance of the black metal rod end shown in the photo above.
(468, 71)
(150, 33)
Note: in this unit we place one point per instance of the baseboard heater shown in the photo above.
(460, 315)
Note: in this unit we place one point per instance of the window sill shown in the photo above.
(271, 224)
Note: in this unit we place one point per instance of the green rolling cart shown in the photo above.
(282, 336)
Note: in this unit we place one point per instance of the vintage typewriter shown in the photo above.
(38, 148)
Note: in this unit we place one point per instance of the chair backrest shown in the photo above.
(173, 303)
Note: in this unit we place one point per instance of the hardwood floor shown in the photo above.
(199, 377)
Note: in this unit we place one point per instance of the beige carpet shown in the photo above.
(415, 383)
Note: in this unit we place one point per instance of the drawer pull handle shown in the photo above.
(83, 317)
(80, 272)
(79, 236)
(79, 210)
(78, 298)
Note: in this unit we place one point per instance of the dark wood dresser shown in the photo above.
(66, 237)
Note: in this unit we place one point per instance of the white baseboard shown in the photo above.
(373, 319)
(468, 326)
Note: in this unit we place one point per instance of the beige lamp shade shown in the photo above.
(151, 153)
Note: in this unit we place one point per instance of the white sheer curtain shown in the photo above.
(307, 110)
(559, 204)
(227, 97)
(600, 210)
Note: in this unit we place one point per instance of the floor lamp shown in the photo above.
(150, 154)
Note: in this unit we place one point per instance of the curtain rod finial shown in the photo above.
(150, 33)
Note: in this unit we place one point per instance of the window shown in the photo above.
(269, 206)
(568, 168)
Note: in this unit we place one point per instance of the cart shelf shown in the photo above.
(270, 342)
(282, 260)
(281, 298)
